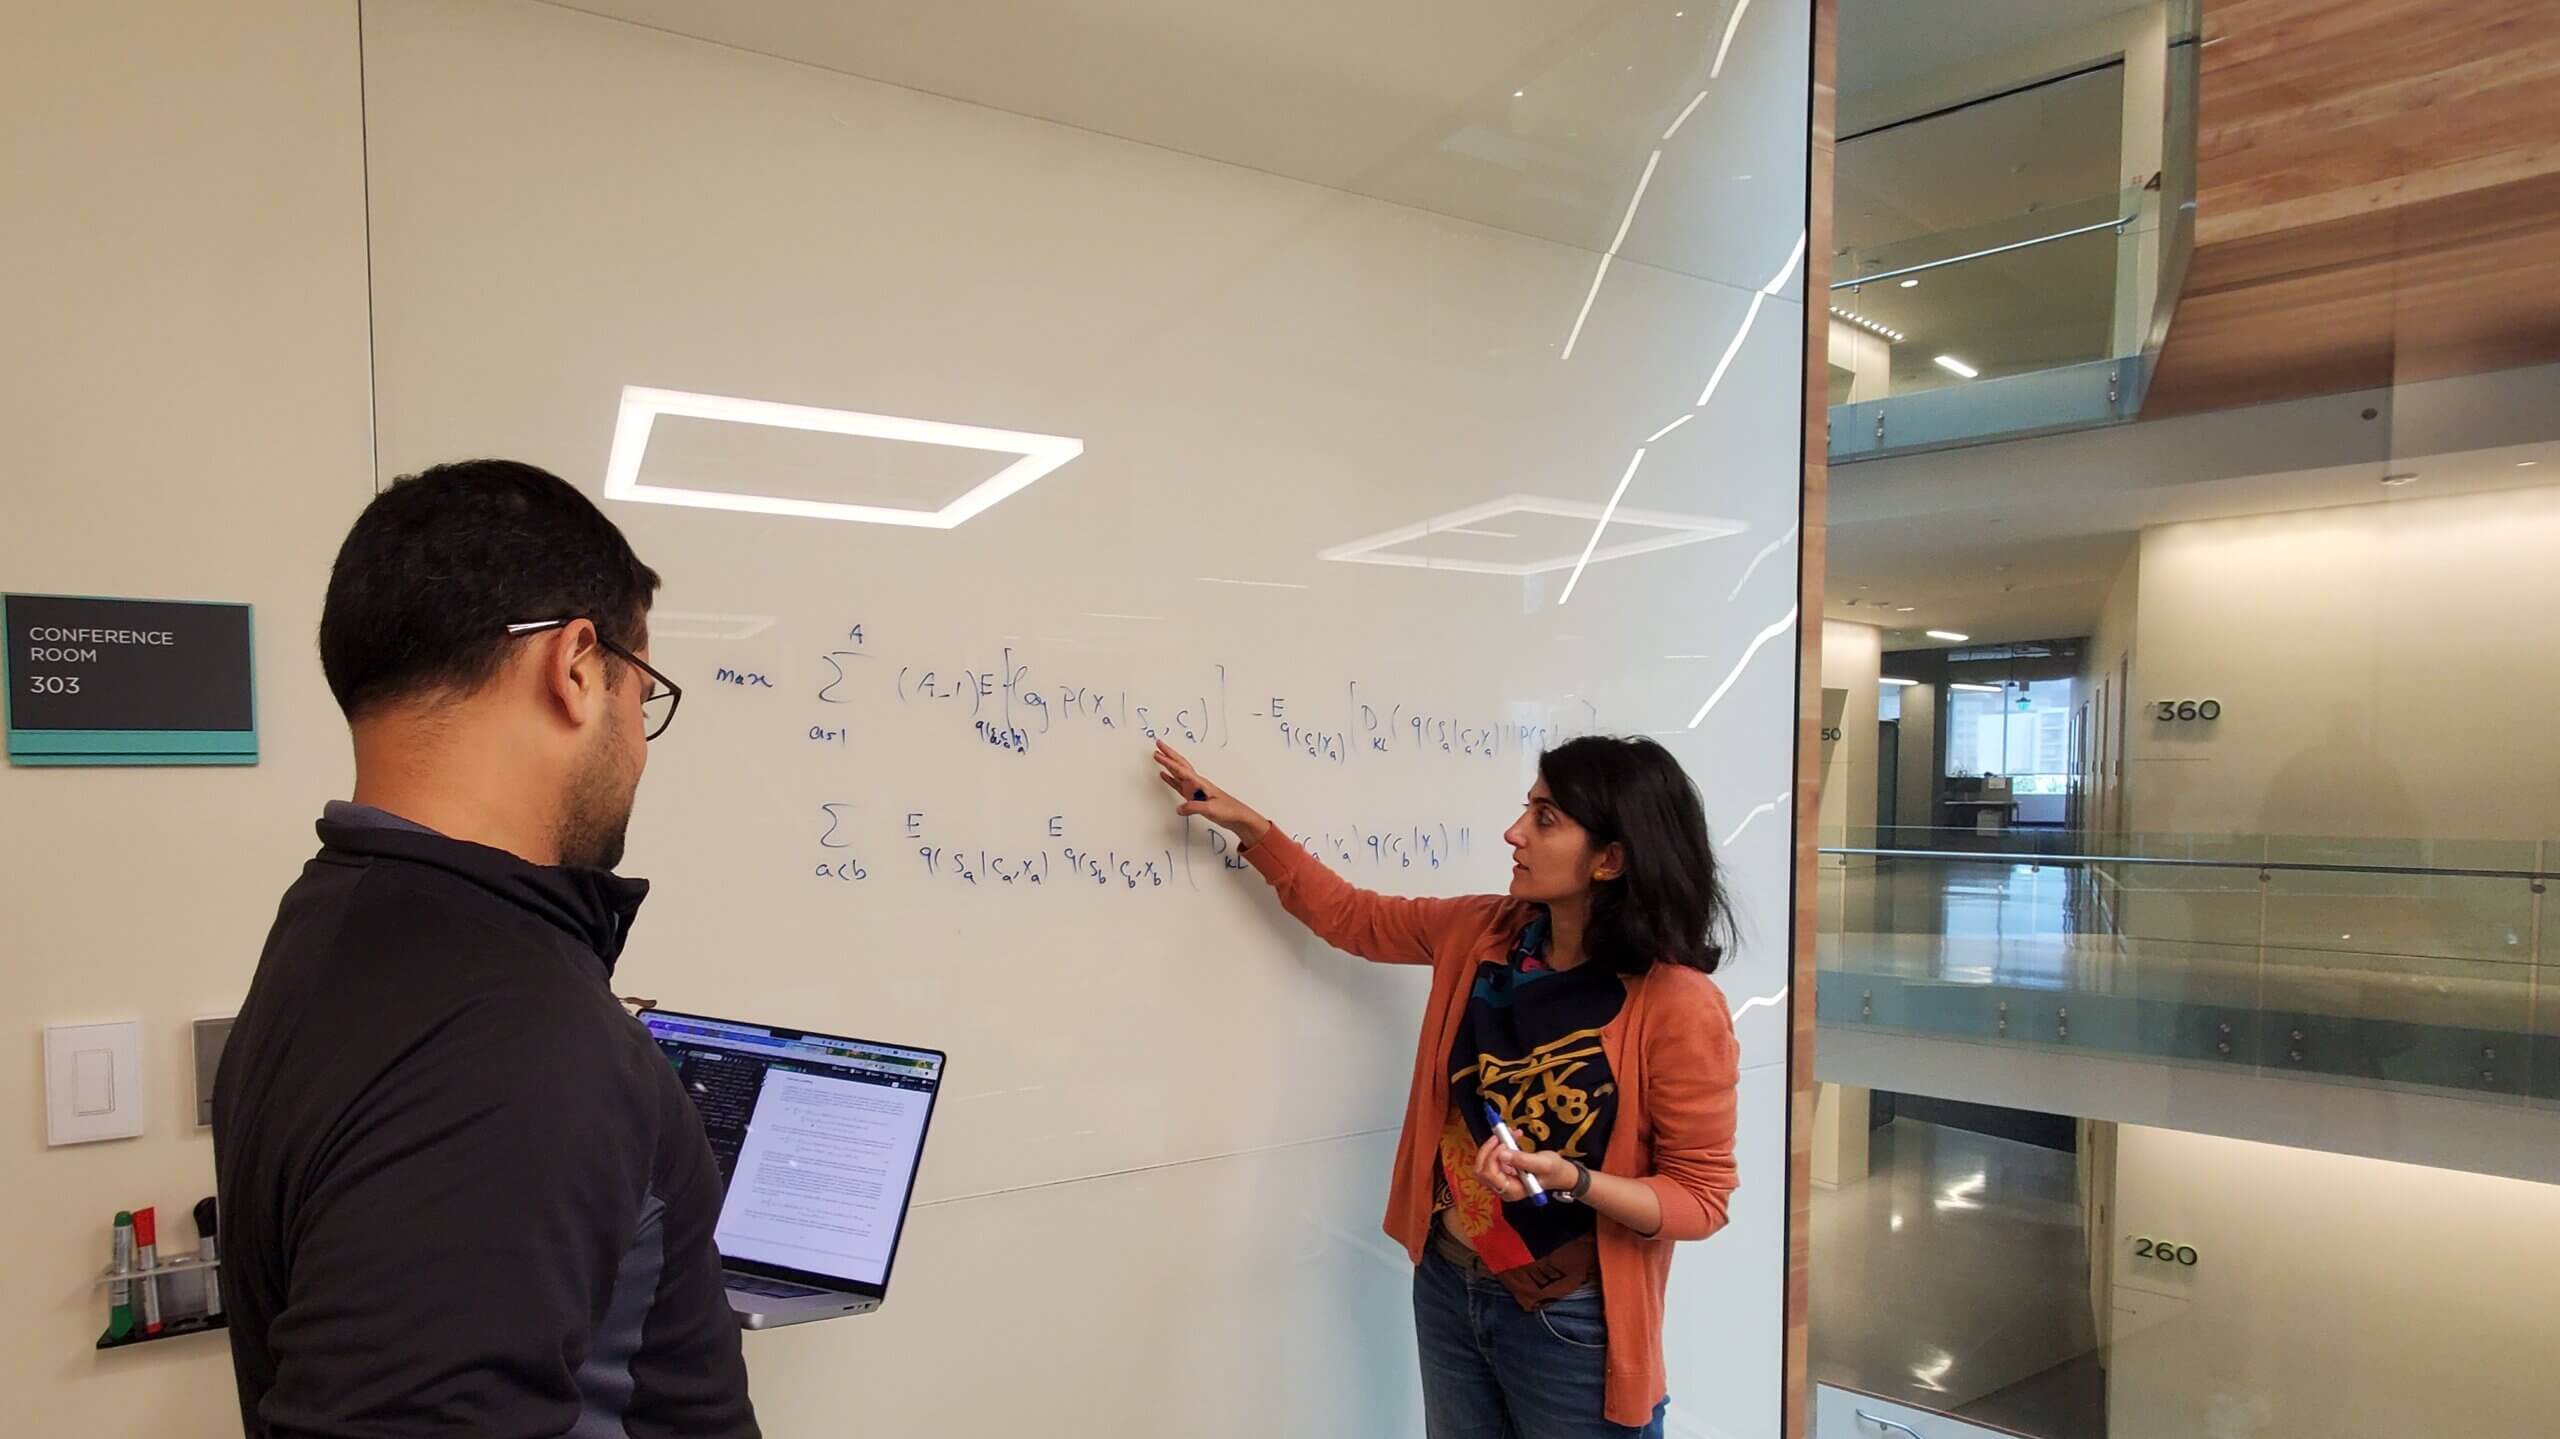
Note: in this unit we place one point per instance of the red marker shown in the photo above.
(146, 1257)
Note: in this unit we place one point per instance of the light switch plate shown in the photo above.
(92, 1082)
(210, 1035)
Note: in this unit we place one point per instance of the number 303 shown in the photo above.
(2164, 1252)
(53, 684)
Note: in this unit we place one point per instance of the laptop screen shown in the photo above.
(817, 1138)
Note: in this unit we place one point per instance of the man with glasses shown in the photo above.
(461, 1192)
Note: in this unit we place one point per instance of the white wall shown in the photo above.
(1851, 658)
(2384, 671)
(184, 404)
(1867, 357)
(2332, 1296)
(2107, 678)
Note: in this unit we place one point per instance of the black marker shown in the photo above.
(207, 1252)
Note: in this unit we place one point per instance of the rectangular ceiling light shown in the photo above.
(1950, 362)
(1672, 531)
(641, 406)
(1950, 636)
(1978, 689)
(1897, 684)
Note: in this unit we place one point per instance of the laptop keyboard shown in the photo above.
(768, 1288)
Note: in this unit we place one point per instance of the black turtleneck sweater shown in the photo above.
(462, 1192)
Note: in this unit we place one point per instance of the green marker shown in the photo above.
(120, 1293)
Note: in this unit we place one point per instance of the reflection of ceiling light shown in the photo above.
(1905, 609)
(1870, 326)
(1897, 684)
(2405, 477)
(1897, 1224)
(641, 407)
(1678, 529)
(1484, 534)
(1965, 1193)
(1950, 636)
(1910, 284)
(1257, 584)
(1516, 94)
(1950, 362)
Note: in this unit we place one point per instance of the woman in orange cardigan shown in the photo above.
(1573, 1015)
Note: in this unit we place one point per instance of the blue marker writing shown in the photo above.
(1502, 1131)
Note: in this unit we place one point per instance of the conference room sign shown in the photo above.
(128, 682)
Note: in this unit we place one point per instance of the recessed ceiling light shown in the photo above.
(1516, 94)
(1977, 689)
(1897, 684)
(2527, 464)
(1911, 284)
(1862, 322)
(1905, 609)
(1950, 636)
(1950, 362)
(2405, 477)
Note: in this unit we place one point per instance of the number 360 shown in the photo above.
(2165, 710)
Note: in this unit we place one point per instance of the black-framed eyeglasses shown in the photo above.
(658, 706)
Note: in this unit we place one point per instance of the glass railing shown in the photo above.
(2012, 296)
(2404, 963)
(2023, 322)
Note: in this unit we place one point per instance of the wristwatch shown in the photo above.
(1581, 1183)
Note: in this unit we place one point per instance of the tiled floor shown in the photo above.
(1955, 1277)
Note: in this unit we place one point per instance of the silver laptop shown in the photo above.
(818, 1137)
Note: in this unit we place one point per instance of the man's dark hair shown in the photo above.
(443, 561)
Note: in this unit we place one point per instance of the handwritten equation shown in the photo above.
(1010, 708)
(1005, 706)
(1422, 847)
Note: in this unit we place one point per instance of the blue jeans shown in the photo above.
(1492, 1370)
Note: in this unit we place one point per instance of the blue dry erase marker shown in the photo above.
(1502, 1131)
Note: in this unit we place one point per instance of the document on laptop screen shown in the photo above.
(821, 1180)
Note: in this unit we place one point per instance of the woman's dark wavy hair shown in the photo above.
(1668, 905)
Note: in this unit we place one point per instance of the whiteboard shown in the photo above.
(1328, 482)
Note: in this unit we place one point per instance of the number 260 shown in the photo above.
(2164, 1252)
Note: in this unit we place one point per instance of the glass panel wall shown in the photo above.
(2121, 1084)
